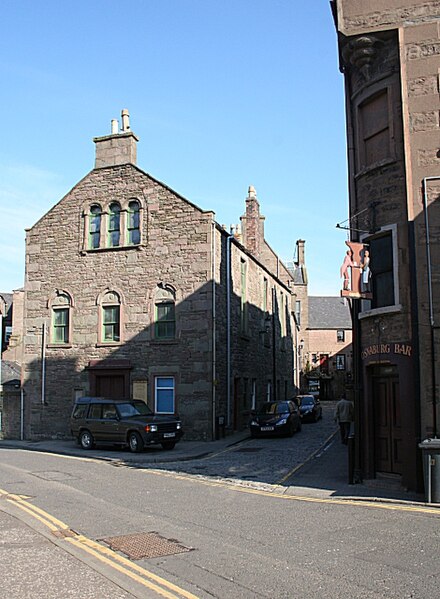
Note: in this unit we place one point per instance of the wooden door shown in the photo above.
(111, 386)
(387, 425)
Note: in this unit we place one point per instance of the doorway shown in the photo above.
(387, 420)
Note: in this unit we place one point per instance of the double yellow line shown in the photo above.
(103, 554)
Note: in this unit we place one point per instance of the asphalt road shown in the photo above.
(241, 533)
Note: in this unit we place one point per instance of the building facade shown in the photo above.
(390, 57)
(329, 359)
(133, 291)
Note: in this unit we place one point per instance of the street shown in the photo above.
(229, 525)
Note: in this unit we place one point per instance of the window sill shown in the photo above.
(59, 346)
(117, 248)
(396, 308)
(109, 344)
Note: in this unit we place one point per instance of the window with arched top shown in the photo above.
(95, 226)
(60, 305)
(110, 317)
(133, 223)
(114, 225)
(165, 312)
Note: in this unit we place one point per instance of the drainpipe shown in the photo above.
(1, 347)
(43, 365)
(228, 330)
(214, 372)
(431, 302)
(21, 413)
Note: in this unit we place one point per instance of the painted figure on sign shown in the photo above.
(348, 263)
(366, 272)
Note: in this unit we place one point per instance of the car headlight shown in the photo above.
(254, 423)
(178, 425)
(282, 421)
(151, 428)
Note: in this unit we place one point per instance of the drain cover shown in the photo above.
(146, 545)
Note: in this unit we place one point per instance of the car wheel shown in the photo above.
(86, 439)
(135, 443)
(168, 445)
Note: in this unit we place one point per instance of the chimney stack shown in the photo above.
(118, 147)
(300, 252)
(252, 224)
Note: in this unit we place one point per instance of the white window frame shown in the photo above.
(168, 388)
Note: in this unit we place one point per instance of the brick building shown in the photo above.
(133, 291)
(390, 57)
(329, 351)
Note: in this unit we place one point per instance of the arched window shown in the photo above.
(133, 223)
(165, 314)
(60, 305)
(95, 226)
(114, 225)
(110, 304)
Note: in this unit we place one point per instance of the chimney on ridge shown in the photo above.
(117, 148)
(252, 223)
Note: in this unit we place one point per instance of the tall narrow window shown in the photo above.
(298, 312)
(60, 329)
(95, 226)
(110, 318)
(382, 270)
(374, 129)
(165, 320)
(165, 312)
(243, 298)
(114, 220)
(133, 223)
(265, 289)
(164, 395)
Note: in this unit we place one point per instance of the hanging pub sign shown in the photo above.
(355, 271)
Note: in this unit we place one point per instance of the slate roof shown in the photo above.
(326, 312)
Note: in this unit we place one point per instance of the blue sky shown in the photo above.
(222, 95)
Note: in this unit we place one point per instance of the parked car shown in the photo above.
(275, 418)
(130, 423)
(309, 408)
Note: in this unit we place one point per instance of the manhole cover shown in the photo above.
(248, 449)
(146, 545)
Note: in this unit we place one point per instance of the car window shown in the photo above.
(79, 411)
(307, 401)
(95, 411)
(133, 408)
(109, 412)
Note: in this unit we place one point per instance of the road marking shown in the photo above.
(104, 554)
(311, 457)
(277, 495)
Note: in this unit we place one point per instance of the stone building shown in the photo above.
(390, 57)
(329, 352)
(131, 290)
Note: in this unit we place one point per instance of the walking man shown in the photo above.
(344, 416)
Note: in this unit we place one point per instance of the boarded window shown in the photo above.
(374, 130)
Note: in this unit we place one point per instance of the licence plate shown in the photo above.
(264, 429)
(167, 435)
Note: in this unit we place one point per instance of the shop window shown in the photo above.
(340, 362)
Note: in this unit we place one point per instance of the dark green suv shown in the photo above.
(130, 423)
